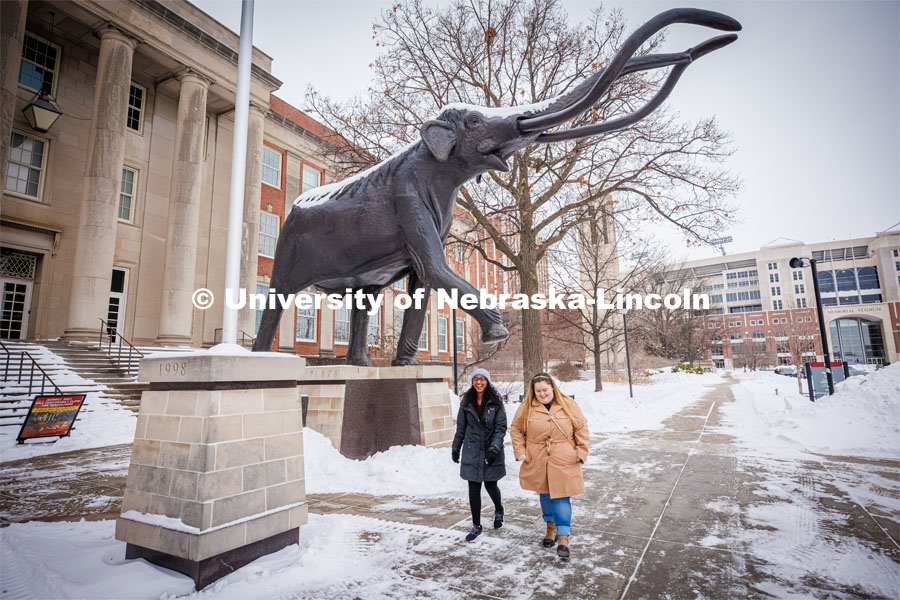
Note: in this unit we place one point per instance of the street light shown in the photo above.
(42, 112)
(796, 263)
(627, 354)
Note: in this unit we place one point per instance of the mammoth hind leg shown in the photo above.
(359, 330)
(267, 327)
(413, 322)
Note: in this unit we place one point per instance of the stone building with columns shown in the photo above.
(118, 211)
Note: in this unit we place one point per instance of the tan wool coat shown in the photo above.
(554, 451)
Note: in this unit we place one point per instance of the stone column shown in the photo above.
(176, 311)
(96, 234)
(326, 332)
(12, 32)
(250, 236)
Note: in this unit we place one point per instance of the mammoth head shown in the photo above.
(483, 138)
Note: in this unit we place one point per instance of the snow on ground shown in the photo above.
(862, 418)
(102, 421)
(429, 471)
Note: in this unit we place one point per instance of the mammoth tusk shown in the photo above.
(663, 93)
(619, 62)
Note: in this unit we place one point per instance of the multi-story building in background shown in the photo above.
(118, 211)
(761, 305)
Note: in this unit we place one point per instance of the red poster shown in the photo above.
(50, 416)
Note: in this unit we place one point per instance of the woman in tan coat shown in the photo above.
(549, 433)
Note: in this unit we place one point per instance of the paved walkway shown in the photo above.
(675, 513)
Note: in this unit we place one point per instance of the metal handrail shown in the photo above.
(111, 335)
(244, 337)
(34, 364)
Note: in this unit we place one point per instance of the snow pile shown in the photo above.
(862, 418)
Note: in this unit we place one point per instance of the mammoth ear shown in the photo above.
(439, 138)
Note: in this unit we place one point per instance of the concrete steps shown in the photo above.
(107, 373)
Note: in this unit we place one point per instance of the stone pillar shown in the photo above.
(250, 236)
(176, 311)
(96, 234)
(216, 478)
(12, 32)
(326, 332)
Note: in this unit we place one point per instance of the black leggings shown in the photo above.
(475, 498)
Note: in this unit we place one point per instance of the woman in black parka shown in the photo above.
(478, 446)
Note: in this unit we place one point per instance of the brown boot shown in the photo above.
(563, 549)
(550, 538)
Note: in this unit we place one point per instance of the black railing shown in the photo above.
(23, 368)
(246, 339)
(111, 334)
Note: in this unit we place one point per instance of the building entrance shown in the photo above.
(17, 272)
(857, 341)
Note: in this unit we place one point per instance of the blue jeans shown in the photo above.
(559, 511)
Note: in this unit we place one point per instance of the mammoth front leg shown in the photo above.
(413, 321)
(427, 251)
(359, 330)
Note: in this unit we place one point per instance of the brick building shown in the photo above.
(757, 299)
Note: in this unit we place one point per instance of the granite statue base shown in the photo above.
(364, 410)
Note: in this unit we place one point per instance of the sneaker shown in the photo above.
(498, 519)
(474, 533)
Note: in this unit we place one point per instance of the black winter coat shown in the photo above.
(475, 437)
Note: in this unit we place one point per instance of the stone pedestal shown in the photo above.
(364, 410)
(216, 476)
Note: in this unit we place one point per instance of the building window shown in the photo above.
(271, 167)
(776, 290)
(373, 332)
(306, 322)
(777, 305)
(799, 289)
(801, 302)
(136, 108)
(773, 277)
(460, 253)
(400, 284)
(423, 338)
(262, 289)
(798, 275)
(268, 233)
(442, 334)
(38, 67)
(460, 335)
(312, 178)
(26, 165)
(126, 194)
(773, 266)
(342, 325)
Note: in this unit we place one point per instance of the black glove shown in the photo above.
(455, 456)
(491, 455)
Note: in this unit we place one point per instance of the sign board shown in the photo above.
(50, 416)
(818, 380)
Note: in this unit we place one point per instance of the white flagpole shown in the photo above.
(238, 175)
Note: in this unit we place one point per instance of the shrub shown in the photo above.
(565, 371)
(687, 368)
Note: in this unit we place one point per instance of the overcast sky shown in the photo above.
(810, 93)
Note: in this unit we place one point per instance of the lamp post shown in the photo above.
(627, 354)
(797, 263)
(455, 360)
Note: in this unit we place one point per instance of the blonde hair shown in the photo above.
(567, 404)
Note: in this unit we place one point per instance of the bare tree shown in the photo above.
(801, 343)
(515, 52)
(588, 263)
(750, 354)
(683, 335)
